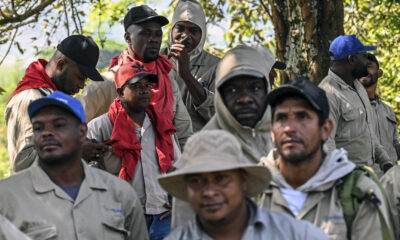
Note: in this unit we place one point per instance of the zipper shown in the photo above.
(253, 132)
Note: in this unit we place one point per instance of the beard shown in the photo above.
(372, 81)
(300, 157)
(63, 159)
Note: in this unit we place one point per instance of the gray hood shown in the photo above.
(190, 11)
(256, 142)
(335, 166)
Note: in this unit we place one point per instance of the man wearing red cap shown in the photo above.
(150, 152)
(143, 34)
(74, 61)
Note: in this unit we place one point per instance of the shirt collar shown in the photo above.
(42, 182)
(342, 84)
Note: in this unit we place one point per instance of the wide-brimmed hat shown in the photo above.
(213, 151)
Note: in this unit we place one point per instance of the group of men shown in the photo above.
(200, 147)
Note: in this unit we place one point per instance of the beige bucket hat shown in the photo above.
(212, 151)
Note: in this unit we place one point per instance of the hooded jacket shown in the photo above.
(200, 62)
(256, 142)
(322, 206)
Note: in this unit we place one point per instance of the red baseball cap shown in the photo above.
(131, 73)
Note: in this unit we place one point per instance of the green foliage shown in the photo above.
(376, 22)
(9, 77)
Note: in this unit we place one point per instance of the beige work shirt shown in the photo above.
(97, 97)
(21, 150)
(386, 128)
(152, 196)
(351, 113)
(322, 206)
(106, 207)
(9, 232)
(201, 114)
(261, 225)
(391, 183)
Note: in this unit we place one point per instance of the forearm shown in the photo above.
(195, 89)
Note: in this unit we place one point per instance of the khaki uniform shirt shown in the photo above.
(391, 183)
(386, 128)
(97, 97)
(9, 232)
(204, 63)
(106, 207)
(351, 113)
(262, 225)
(152, 196)
(21, 150)
(323, 207)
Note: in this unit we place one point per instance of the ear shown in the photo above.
(272, 133)
(380, 73)
(326, 129)
(61, 64)
(351, 59)
(127, 37)
(82, 132)
(120, 92)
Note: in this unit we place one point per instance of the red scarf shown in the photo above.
(127, 146)
(162, 94)
(35, 77)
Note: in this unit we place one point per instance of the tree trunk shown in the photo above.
(304, 30)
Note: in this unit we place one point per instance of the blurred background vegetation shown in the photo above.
(37, 26)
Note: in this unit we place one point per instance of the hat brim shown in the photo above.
(153, 78)
(242, 72)
(91, 73)
(174, 183)
(277, 93)
(279, 65)
(40, 103)
(162, 20)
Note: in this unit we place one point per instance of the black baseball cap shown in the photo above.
(84, 52)
(303, 87)
(279, 65)
(141, 14)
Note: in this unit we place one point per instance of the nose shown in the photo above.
(244, 98)
(290, 126)
(209, 190)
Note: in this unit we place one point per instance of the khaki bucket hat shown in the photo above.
(212, 151)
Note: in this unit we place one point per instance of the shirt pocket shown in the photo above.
(114, 228)
(39, 230)
(351, 125)
(335, 227)
(391, 119)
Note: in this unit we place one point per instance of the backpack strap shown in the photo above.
(351, 196)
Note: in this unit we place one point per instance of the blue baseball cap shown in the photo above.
(58, 99)
(346, 45)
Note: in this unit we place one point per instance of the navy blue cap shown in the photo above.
(346, 45)
(303, 87)
(58, 99)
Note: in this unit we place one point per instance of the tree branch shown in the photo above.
(266, 9)
(66, 17)
(27, 14)
(9, 47)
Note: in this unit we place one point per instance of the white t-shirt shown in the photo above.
(294, 198)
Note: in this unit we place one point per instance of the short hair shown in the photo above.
(321, 118)
(372, 58)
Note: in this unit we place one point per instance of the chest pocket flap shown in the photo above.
(350, 114)
(391, 118)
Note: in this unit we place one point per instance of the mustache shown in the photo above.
(292, 137)
(49, 142)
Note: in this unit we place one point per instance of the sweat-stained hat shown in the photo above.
(212, 151)
(58, 99)
(141, 14)
(303, 87)
(346, 45)
(84, 52)
(130, 73)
